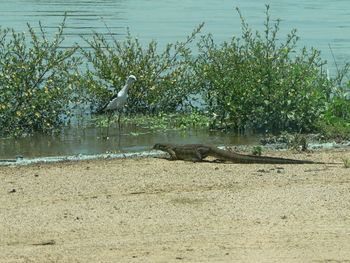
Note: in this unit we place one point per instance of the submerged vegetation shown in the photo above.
(256, 82)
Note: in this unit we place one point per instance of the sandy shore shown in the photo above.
(154, 210)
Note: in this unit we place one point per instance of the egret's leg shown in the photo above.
(119, 126)
(108, 122)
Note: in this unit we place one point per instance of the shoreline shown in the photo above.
(80, 157)
(154, 210)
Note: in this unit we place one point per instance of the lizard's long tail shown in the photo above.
(241, 158)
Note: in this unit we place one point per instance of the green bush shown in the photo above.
(162, 78)
(261, 82)
(35, 78)
(335, 120)
(257, 81)
(338, 108)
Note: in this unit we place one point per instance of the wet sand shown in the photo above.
(154, 210)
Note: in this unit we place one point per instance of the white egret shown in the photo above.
(117, 102)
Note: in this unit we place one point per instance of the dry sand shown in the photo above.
(154, 210)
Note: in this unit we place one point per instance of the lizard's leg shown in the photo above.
(203, 153)
(172, 154)
(197, 156)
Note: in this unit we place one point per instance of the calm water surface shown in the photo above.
(92, 141)
(320, 23)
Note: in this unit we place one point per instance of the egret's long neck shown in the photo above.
(126, 86)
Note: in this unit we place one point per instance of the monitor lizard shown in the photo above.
(197, 152)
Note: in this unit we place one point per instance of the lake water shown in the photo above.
(320, 23)
(131, 139)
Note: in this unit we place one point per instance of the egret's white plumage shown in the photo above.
(118, 101)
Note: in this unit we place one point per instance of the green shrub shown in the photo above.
(162, 78)
(257, 81)
(260, 81)
(35, 90)
(335, 120)
(338, 108)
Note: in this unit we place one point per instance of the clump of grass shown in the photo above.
(338, 130)
(346, 162)
(298, 142)
(257, 150)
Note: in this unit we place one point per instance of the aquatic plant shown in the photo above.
(172, 121)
